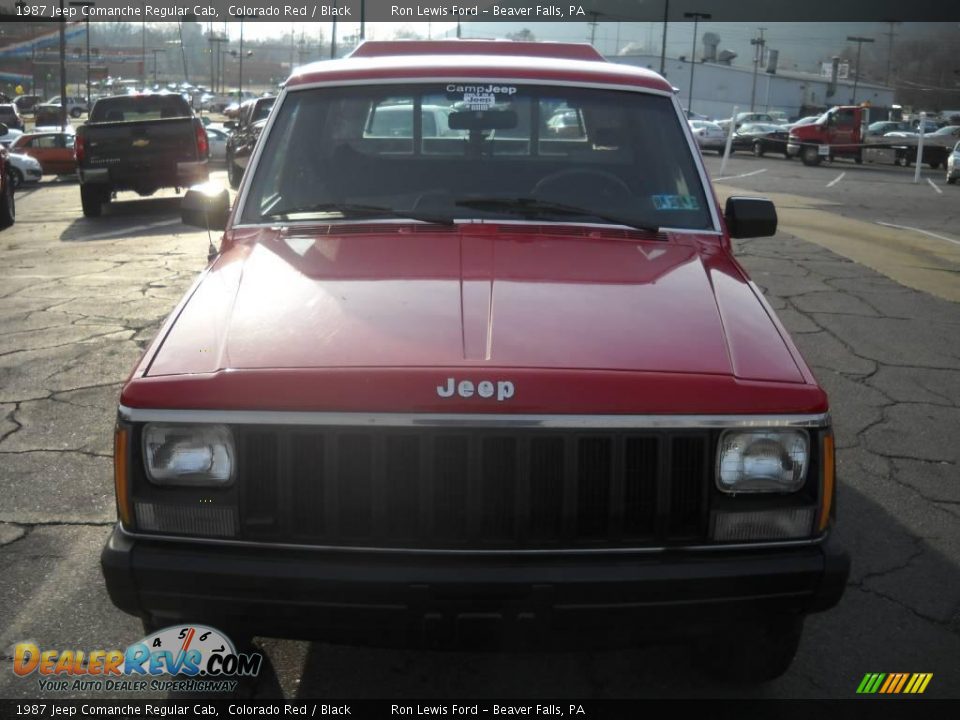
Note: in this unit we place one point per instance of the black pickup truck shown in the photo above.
(139, 142)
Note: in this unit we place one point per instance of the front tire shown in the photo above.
(8, 206)
(758, 150)
(950, 178)
(16, 178)
(752, 654)
(92, 199)
(234, 174)
(75, 113)
(810, 155)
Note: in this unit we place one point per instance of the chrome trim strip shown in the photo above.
(353, 419)
(490, 552)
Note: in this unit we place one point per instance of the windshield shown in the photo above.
(457, 151)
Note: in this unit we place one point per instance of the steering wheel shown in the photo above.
(600, 182)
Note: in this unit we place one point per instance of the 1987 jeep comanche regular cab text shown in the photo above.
(496, 382)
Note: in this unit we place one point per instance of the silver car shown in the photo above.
(953, 165)
(709, 135)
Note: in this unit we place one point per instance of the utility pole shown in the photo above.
(87, 4)
(593, 26)
(856, 78)
(333, 36)
(890, 35)
(143, 50)
(663, 43)
(697, 17)
(155, 51)
(758, 44)
(63, 68)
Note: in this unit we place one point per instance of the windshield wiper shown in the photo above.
(355, 210)
(534, 207)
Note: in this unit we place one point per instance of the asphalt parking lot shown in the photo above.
(875, 309)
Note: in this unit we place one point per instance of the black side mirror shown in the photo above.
(206, 206)
(749, 217)
(3, 129)
(229, 125)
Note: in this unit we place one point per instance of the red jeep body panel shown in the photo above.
(373, 317)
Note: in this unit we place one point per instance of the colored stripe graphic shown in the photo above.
(894, 683)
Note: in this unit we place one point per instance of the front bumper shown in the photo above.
(445, 599)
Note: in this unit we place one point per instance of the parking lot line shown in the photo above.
(934, 186)
(837, 179)
(925, 232)
(731, 177)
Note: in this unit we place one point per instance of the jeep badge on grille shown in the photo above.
(485, 389)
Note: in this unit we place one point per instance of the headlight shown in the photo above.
(200, 455)
(762, 461)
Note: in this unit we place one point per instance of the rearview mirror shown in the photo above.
(206, 206)
(483, 120)
(749, 217)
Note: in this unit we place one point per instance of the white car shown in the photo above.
(953, 165)
(217, 139)
(23, 169)
(76, 106)
(709, 135)
(9, 137)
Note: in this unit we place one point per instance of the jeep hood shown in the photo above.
(475, 296)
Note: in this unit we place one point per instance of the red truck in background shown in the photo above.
(842, 132)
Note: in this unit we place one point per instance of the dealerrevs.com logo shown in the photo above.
(195, 658)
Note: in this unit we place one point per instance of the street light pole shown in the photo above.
(63, 68)
(663, 43)
(87, 4)
(697, 17)
(155, 51)
(759, 44)
(856, 78)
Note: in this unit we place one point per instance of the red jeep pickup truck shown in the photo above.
(478, 384)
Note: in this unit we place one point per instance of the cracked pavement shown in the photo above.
(80, 299)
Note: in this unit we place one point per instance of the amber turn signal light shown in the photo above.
(121, 481)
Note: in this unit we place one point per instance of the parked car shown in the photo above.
(953, 165)
(53, 150)
(808, 120)
(747, 117)
(508, 388)
(10, 116)
(8, 205)
(26, 103)
(709, 135)
(883, 127)
(23, 169)
(8, 136)
(76, 106)
(244, 132)
(761, 138)
(142, 143)
(217, 138)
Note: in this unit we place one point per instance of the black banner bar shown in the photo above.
(525, 11)
(874, 709)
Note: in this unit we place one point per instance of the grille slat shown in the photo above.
(473, 488)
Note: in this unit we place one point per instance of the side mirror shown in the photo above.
(230, 125)
(3, 129)
(206, 206)
(749, 217)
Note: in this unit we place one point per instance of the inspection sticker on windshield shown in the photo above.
(675, 202)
